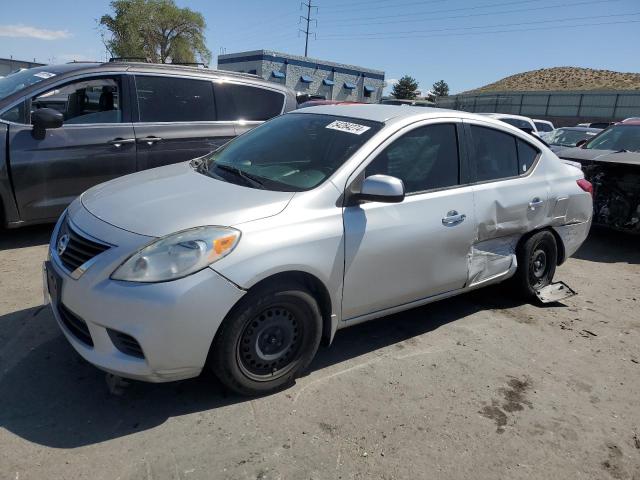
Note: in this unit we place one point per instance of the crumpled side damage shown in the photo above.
(491, 258)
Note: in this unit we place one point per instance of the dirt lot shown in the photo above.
(475, 387)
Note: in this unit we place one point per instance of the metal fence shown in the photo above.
(592, 105)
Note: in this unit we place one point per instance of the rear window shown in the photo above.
(244, 102)
(543, 127)
(172, 99)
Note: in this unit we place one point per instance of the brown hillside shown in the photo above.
(564, 78)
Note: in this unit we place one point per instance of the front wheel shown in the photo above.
(537, 260)
(268, 339)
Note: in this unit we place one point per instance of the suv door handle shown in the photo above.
(535, 203)
(150, 140)
(118, 142)
(453, 218)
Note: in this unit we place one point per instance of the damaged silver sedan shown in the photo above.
(244, 260)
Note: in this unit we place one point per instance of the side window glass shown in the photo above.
(244, 102)
(526, 156)
(494, 153)
(15, 114)
(172, 99)
(97, 100)
(424, 159)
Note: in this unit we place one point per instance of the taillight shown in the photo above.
(585, 185)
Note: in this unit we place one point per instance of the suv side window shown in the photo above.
(245, 102)
(173, 99)
(96, 100)
(495, 154)
(424, 159)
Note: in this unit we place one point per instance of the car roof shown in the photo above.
(581, 129)
(630, 121)
(382, 112)
(504, 115)
(395, 113)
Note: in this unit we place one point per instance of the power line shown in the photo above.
(502, 31)
(408, 32)
(432, 19)
(446, 10)
(308, 20)
(358, 5)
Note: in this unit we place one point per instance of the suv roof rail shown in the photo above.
(83, 61)
(129, 59)
(189, 64)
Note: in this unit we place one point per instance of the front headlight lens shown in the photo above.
(178, 255)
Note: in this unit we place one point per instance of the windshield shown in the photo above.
(22, 79)
(618, 138)
(568, 138)
(293, 152)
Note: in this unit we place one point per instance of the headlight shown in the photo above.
(178, 255)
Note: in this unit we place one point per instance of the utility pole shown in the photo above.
(307, 19)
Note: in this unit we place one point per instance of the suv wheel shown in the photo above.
(268, 339)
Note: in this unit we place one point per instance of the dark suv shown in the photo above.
(65, 128)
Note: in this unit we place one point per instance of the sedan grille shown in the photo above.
(78, 249)
(75, 325)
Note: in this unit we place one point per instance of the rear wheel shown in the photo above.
(269, 338)
(537, 261)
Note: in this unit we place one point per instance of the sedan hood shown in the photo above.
(168, 199)
(608, 156)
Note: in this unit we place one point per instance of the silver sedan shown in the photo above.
(245, 259)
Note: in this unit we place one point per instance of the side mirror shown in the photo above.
(581, 143)
(381, 188)
(45, 118)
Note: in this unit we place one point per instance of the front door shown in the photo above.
(177, 120)
(96, 143)
(400, 253)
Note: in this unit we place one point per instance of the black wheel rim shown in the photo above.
(270, 343)
(539, 266)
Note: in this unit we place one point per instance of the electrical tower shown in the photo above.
(307, 19)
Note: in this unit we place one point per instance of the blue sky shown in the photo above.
(428, 39)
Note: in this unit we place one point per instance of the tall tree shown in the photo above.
(155, 29)
(406, 88)
(440, 89)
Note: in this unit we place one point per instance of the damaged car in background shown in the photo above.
(611, 162)
(243, 260)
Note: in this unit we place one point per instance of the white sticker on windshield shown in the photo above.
(348, 127)
(44, 75)
(590, 133)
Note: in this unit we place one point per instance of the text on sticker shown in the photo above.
(348, 127)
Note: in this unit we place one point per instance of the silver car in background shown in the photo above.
(245, 259)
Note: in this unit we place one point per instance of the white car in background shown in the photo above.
(544, 126)
(518, 121)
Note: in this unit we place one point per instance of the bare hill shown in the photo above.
(564, 78)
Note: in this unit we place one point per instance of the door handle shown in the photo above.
(118, 142)
(453, 218)
(150, 140)
(535, 203)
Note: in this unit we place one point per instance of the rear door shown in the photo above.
(511, 194)
(176, 120)
(247, 105)
(96, 143)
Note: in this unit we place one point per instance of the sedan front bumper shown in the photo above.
(172, 323)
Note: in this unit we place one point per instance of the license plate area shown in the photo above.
(54, 283)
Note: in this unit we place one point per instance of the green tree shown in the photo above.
(406, 88)
(155, 29)
(440, 88)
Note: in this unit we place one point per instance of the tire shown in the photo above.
(537, 261)
(267, 340)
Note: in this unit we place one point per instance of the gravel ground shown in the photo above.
(479, 386)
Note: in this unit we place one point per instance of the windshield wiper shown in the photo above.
(622, 150)
(247, 177)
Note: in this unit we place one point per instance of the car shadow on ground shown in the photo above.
(50, 396)
(25, 237)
